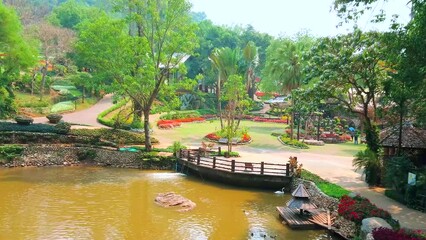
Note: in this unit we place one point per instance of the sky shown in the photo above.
(288, 17)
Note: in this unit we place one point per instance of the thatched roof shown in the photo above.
(412, 137)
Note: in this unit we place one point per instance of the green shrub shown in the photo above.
(13, 127)
(9, 152)
(293, 143)
(113, 135)
(86, 154)
(63, 107)
(180, 115)
(371, 164)
(395, 195)
(63, 128)
(330, 189)
(177, 146)
(23, 120)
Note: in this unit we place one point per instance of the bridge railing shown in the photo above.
(203, 158)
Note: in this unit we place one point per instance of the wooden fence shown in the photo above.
(203, 158)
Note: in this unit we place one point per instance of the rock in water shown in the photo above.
(172, 199)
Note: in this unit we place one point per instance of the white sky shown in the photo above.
(288, 17)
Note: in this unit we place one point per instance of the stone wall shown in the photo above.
(54, 155)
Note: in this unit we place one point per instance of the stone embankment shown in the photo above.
(341, 225)
(63, 155)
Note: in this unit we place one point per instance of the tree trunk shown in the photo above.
(291, 126)
(84, 93)
(137, 114)
(148, 144)
(43, 79)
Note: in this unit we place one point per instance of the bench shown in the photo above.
(248, 166)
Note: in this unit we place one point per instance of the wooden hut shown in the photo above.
(413, 142)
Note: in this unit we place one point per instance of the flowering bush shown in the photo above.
(358, 208)
(402, 234)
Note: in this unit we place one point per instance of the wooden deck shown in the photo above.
(294, 220)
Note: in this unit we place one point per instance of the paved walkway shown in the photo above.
(86, 116)
(336, 169)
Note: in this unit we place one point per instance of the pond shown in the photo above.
(104, 203)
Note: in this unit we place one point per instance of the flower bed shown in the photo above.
(358, 208)
(168, 124)
(214, 137)
(271, 120)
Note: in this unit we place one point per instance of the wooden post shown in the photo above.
(219, 151)
(198, 158)
(262, 168)
(189, 157)
(287, 169)
(180, 153)
(214, 162)
(328, 220)
(233, 166)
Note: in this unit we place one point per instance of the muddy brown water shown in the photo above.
(103, 203)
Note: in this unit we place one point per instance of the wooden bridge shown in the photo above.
(208, 164)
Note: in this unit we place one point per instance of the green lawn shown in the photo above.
(261, 135)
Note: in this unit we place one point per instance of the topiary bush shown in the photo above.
(63, 128)
(54, 118)
(23, 120)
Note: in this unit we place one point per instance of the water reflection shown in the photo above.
(100, 203)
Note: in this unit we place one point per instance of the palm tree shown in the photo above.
(371, 163)
(251, 56)
(225, 60)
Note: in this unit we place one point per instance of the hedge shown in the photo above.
(292, 143)
(110, 122)
(37, 127)
(113, 135)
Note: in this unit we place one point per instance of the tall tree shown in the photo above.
(251, 57)
(15, 55)
(159, 35)
(237, 101)
(347, 69)
(225, 61)
(284, 64)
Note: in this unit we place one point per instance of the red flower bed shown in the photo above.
(272, 120)
(345, 137)
(402, 234)
(213, 136)
(260, 94)
(358, 208)
(167, 124)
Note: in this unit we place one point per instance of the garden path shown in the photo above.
(87, 116)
